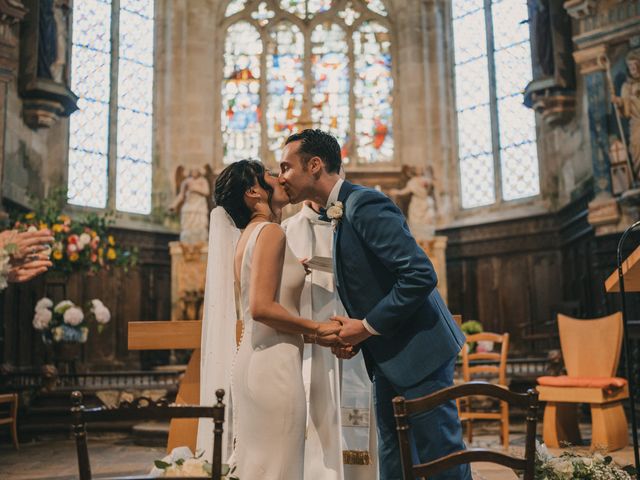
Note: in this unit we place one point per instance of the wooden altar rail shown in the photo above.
(90, 382)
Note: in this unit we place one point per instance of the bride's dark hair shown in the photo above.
(231, 185)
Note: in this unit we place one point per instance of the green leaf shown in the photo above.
(161, 465)
(225, 469)
(180, 461)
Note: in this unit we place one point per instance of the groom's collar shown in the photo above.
(335, 192)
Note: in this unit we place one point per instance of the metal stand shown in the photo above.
(627, 350)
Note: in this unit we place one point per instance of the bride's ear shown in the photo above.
(252, 197)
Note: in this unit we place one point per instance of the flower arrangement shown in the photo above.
(80, 245)
(66, 322)
(571, 466)
(182, 463)
(471, 327)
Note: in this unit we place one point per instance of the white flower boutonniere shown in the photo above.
(335, 213)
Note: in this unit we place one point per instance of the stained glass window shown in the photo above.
(335, 74)
(88, 128)
(285, 84)
(241, 93)
(373, 90)
(496, 132)
(91, 132)
(330, 63)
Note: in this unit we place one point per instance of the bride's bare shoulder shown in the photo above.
(271, 232)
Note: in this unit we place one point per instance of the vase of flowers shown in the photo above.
(82, 244)
(65, 326)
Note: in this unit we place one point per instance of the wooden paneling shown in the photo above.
(140, 294)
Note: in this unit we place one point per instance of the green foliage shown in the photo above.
(471, 327)
(82, 244)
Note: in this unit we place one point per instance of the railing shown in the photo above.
(91, 381)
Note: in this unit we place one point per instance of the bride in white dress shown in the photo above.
(267, 392)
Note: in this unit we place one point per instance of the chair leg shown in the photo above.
(504, 424)
(14, 423)
(14, 435)
(560, 424)
(469, 431)
(609, 427)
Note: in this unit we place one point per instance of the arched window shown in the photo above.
(496, 133)
(110, 137)
(293, 64)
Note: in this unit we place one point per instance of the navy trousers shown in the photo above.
(435, 433)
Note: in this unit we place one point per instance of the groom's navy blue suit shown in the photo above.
(383, 276)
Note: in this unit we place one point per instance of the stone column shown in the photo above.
(440, 110)
(11, 13)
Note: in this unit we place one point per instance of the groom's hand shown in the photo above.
(345, 352)
(353, 331)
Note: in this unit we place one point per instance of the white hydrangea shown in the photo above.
(103, 315)
(96, 303)
(73, 316)
(63, 305)
(42, 318)
(43, 304)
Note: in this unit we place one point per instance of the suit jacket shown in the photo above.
(383, 275)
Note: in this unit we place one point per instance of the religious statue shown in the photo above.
(422, 210)
(629, 104)
(54, 38)
(193, 203)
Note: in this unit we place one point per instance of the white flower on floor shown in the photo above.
(73, 316)
(182, 463)
(574, 466)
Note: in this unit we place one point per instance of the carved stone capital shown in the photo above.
(591, 59)
(579, 9)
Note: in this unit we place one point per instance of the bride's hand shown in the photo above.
(327, 334)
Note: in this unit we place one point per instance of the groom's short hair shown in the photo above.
(316, 143)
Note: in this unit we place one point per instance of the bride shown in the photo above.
(267, 392)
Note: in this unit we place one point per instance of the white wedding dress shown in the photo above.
(266, 383)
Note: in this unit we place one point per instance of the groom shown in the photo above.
(388, 287)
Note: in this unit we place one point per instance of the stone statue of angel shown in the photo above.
(193, 203)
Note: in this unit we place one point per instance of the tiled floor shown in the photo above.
(54, 457)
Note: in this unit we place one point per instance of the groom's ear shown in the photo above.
(315, 165)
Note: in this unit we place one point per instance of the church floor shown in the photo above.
(54, 457)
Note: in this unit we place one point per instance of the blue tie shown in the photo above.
(323, 215)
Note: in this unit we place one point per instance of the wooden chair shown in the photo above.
(403, 409)
(591, 351)
(143, 409)
(471, 366)
(12, 419)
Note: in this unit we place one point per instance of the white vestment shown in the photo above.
(330, 428)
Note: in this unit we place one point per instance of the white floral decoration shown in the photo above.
(73, 316)
(42, 318)
(44, 303)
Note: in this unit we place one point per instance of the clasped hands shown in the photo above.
(29, 257)
(342, 334)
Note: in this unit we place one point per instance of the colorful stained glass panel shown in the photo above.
(373, 91)
(330, 73)
(241, 93)
(285, 84)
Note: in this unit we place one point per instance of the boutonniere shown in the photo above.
(335, 213)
